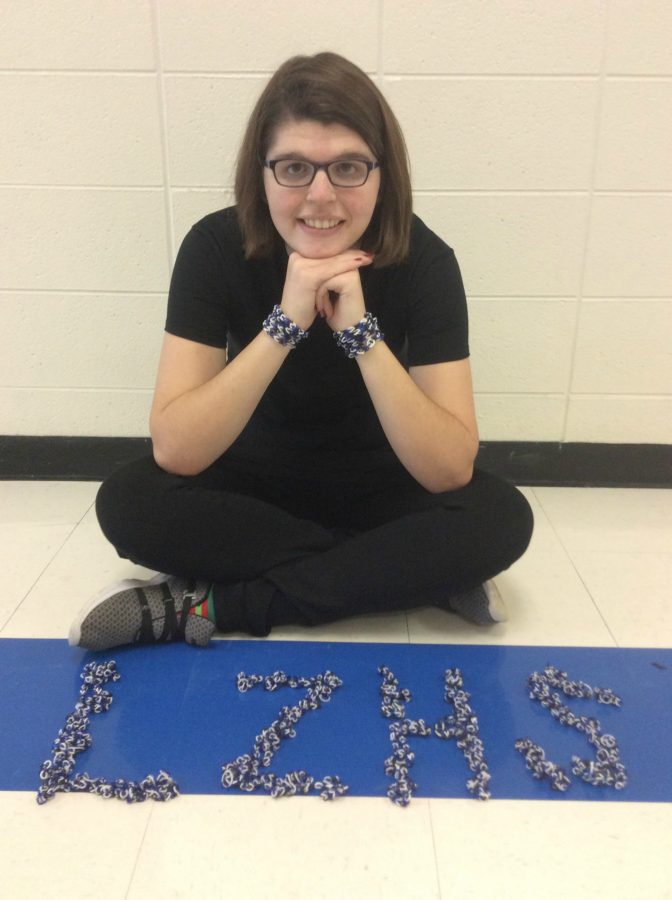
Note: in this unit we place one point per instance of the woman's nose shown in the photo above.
(321, 188)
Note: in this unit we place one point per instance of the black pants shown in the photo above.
(311, 549)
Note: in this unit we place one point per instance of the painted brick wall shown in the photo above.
(540, 134)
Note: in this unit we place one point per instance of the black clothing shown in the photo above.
(312, 550)
(309, 516)
(317, 403)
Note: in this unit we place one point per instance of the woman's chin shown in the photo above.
(316, 245)
(317, 249)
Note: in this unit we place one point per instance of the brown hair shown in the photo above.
(329, 89)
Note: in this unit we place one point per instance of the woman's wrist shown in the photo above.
(282, 329)
(360, 338)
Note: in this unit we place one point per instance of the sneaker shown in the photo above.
(142, 612)
(483, 605)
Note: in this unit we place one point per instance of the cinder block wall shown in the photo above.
(541, 140)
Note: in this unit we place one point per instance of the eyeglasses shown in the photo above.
(341, 173)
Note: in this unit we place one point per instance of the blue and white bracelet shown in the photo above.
(281, 328)
(361, 337)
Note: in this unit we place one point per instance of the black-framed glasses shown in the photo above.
(292, 172)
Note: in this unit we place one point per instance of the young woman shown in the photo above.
(313, 422)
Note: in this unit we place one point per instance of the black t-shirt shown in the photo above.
(317, 405)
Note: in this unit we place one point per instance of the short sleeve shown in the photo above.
(197, 297)
(438, 327)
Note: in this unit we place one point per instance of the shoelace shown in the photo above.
(173, 627)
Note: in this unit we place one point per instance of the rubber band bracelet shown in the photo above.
(361, 337)
(281, 328)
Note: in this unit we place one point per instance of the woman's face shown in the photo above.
(301, 214)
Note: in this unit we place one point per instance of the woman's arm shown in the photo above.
(427, 414)
(201, 403)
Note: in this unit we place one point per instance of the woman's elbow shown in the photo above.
(173, 462)
(452, 480)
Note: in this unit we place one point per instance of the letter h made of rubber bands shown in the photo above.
(462, 726)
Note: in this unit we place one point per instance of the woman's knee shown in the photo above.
(121, 502)
(522, 521)
(502, 516)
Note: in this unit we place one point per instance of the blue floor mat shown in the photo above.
(177, 708)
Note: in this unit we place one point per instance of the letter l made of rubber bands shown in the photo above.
(56, 774)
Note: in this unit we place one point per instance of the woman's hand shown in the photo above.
(341, 300)
(309, 281)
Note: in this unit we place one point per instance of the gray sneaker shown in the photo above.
(143, 612)
(483, 605)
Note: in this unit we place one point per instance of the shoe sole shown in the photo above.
(496, 605)
(116, 587)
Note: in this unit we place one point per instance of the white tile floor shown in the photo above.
(598, 573)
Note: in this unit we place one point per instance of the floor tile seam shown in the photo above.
(70, 522)
(437, 870)
(574, 546)
(40, 523)
(73, 519)
(88, 510)
(138, 854)
(408, 629)
(46, 566)
(546, 515)
(572, 562)
(593, 600)
(606, 552)
(622, 498)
